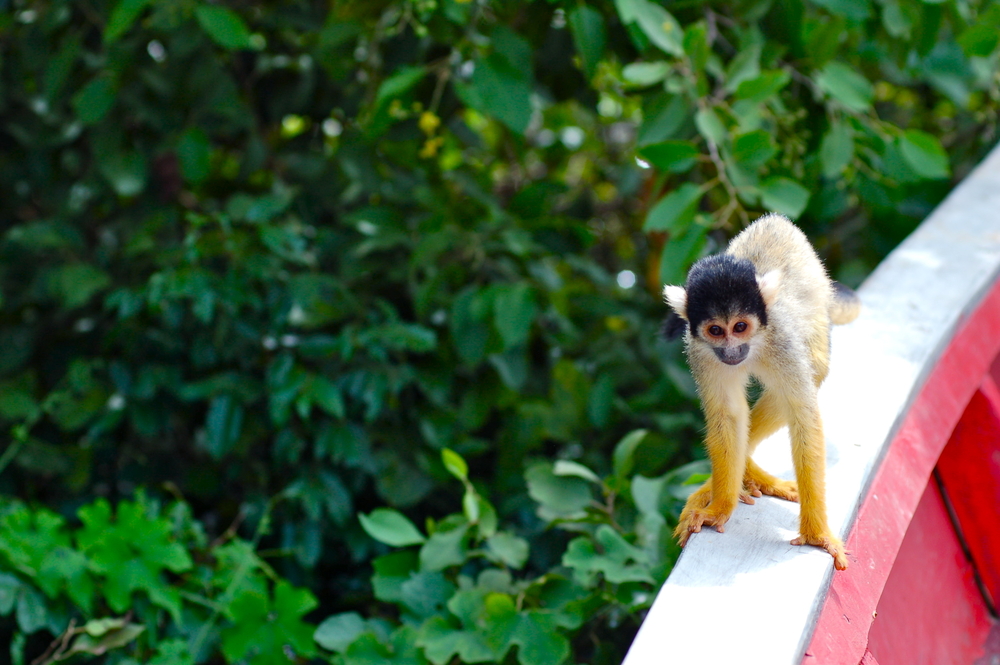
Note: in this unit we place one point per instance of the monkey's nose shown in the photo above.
(733, 355)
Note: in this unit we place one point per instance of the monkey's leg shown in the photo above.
(766, 417)
(809, 454)
(714, 502)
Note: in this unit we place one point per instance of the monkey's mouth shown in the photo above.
(733, 356)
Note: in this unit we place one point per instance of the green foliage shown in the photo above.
(458, 595)
(144, 579)
(301, 267)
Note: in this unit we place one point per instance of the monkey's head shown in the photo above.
(724, 304)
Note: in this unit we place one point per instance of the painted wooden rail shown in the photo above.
(912, 416)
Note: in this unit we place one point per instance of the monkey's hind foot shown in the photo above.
(832, 545)
(757, 482)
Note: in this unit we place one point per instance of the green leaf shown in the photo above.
(223, 425)
(99, 645)
(846, 86)
(95, 99)
(623, 458)
(426, 593)
(391, 572)
(390, 527)
(644, 74)
(675, 210)
(897, 19)
(762, 87)
(454, 463)
(663, 117)
(660, 26)
(710, 126)
(744, 66)
(619, 562)
(979, 40)
(570, 468)
(441, 642)
(17, 397)
(837, 149)
(589, 35)
(558, 496)
(924, 154)
(326, 394)
(123, 16)
(77, 283)
(444, 548)
(98, 627)
(338, 631)
(31, 612)
(696, 47)
(470, 504)
(399, 84)
(469, 330)
(753, 149)
(856, 10)
(10, 586)
(514, 311)
(784, 195)
(673, 156)
(194, 154)
(681, 250)
(500, 90)
(224, 26)
(508, 549)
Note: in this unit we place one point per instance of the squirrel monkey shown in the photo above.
(762, 309)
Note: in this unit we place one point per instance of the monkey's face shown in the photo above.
(730, 337)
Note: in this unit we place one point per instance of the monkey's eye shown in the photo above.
(740, 327)
(715, 331)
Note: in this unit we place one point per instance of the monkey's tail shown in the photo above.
(846, 304)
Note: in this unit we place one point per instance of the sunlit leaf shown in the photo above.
(846, 85)
(924, 154)
(675, 209)
(390, 527)
(710, 126)
(837, 149)
(645, 73)
(660, 26)
(673, 156)
(784, 195)
(753, 148)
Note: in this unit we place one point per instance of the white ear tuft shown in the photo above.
(769, 285)
(676, 297)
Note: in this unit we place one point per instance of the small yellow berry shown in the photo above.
(429, 122)
(431, 147)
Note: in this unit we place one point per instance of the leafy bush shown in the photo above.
(271, 262)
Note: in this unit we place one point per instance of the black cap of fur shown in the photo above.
(722, 286)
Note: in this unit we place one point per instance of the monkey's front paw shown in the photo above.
(692, 520)
(832, 545)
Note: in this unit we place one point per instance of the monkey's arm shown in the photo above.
(727, 418)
